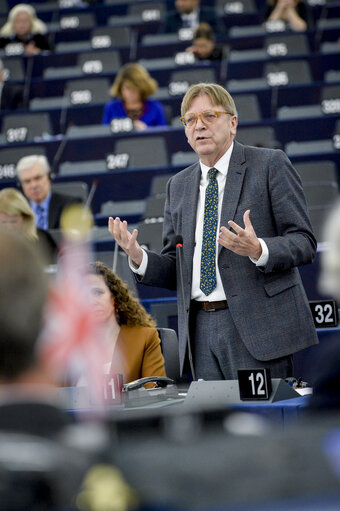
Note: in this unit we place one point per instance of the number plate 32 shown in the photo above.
(325, 313)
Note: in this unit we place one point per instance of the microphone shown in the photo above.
(28, 80)
(224, 63)
(319, 32)
(58, 154)
(63, 114)
(179, 258)
(91, 193)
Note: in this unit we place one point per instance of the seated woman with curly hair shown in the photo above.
(127, 328)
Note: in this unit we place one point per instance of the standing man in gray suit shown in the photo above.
(242, 214)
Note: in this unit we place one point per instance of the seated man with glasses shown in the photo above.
(34, 176)
(243, 219)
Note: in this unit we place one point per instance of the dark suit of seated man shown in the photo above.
(189, 14)
(34, 175)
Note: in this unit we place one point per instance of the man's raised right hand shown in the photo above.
(126, 240)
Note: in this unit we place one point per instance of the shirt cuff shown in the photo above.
(263, 259)
(141, 269)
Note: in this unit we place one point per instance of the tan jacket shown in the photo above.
(140, 350)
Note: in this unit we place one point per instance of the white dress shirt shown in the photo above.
(222, 165)
(191, 20)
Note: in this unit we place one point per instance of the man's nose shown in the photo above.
(199, 123)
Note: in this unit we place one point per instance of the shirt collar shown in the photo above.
(192, 15)
(221, 165)
(45, 204)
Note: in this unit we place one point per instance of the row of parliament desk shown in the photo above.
(227, 457)
(203, 397)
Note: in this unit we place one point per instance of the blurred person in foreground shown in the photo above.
(16, 213)
(204, 44)
(24, 27)
(49, 461)
(127, 329)
(26, 402)
(243, 218)
(11, 96)
(326, 395)
(131, 91)
(292, 12)
(34, 175)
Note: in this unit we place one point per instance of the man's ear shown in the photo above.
(234, 123)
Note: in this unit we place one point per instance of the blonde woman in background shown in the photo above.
(16, 213)
(131, 91)
(24, 27)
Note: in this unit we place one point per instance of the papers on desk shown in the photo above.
(304, 391)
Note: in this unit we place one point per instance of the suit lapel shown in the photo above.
(234, 182)
(233, 185)
(51, 212)
(190, 199)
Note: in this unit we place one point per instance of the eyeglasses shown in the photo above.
(207, 117)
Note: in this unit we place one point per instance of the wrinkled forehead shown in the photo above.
(22, 16)
(36, 169)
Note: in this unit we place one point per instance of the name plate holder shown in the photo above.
(81, 97)
(325, 313)
(101, 41)
(8, 171)
(117, 161)
(330, 106)
(82, 398)
(13, 49)
(234, 8)
(336, 141)
(277, 79)
(151, 15)
(121, 125)
(178, 88)
(254, 384)
(184, 58)
(225, 392)
(16, 134)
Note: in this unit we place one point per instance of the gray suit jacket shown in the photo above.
(268, 305)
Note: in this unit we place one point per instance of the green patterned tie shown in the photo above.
(208, 259)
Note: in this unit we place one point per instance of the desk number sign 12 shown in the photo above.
(254, 384)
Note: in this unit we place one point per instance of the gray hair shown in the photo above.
(37, 25)
(217, 94)
(28, 162)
